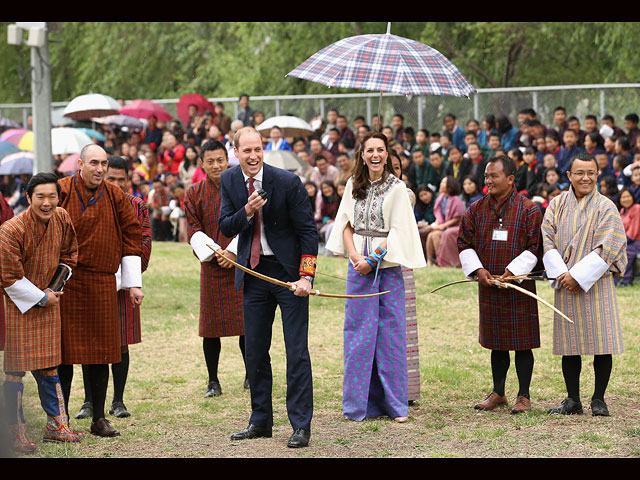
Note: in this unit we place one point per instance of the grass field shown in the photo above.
(167, 380)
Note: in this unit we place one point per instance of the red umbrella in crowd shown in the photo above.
(144, 109)
(384, 63)
(200, 102)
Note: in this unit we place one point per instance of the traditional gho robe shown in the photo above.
(220, 302)
(109, 238)
(508, 318)
(130, 328)
(375, 351)
(30, 253)
(5, 214)
(587, 239)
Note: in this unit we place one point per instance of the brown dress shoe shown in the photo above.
(103, 428)
(523, 404)
(491, 401)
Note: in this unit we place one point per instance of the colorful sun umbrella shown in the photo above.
(200, 102)
(384, 63)
(20, 137)
(144, 109)
(8, 123)
(69, 164)
(17, 163)
(7, 148)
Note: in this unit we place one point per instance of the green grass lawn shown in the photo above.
(167, 381)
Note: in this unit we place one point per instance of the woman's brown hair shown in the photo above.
(360, 170)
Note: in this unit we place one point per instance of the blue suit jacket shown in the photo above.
(287, 216)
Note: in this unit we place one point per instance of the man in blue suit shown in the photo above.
(278, 237)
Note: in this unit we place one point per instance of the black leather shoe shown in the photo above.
(119, 410)
(86, 411)
(252, 431)
(213, 390)
(599, 408)
(300, 438)
(568, 407)
(246, 383)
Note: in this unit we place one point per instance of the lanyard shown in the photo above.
(500, 215)
(92, 200)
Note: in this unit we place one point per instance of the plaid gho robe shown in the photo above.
(130, 328)
(220, 302)
(31, 249)
(107, 230)
(508, 318)
(5, 214)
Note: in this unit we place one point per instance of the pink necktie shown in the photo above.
(255, 240)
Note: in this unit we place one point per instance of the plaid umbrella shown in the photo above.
(384, 63)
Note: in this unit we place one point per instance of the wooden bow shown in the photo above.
(514, 287)
(291, 286)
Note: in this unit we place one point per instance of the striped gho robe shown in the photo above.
(30, 253)
(109, 238)
(586, 238)
(508, 318)
(220, 302)
(5, 214)
(130, 328)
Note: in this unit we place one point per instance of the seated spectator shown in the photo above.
(388, 132)
(298, 145)
(316, 149)
(188, 166)
(448, 210)
(458, 167)
(408, 138)
(325, 215)
(422, 141)
(604, 167)
(177, 217)
(594, 143)
(456, 132)
(507, 132)
(470, 191)
(340, 185)
(323, 171)
(277, 141)
(159, 211)
(552, 176)
(345, 166)
(635, 183)
(488, 128)
(173, 153)
(478, 163)
(620, 162)
(493, 144)
(333, 142)
(567, 152)
(630, 213)
(312, 191)
(534, 172)
(609, 187)
(346, 134)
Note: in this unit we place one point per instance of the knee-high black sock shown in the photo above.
(499, 366)
(65, 373)
(87, 383)
(211, 347)
(571, 367)
(99, 380)
(524, 370)
(120, 372)
(602, 365)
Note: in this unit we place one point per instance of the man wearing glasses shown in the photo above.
(584, 247)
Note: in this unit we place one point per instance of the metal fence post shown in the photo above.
(602, 98)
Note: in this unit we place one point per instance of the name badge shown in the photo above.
(500, 235)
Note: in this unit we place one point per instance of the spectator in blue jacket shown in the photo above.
(456, 131)
(507, 132)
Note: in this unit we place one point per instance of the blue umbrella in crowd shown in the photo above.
(7, 148)
(384, 63)
(93, 133)
(17, 163)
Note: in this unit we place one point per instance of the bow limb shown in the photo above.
(289, 285)
(452, 283)
(532, 295)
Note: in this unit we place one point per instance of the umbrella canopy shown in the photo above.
(20, 137)
(58, 119)
(291, 126)
(384, 63)
(69, 164)
(91, 105)
(17, 163)
(196, 99)
(68, 140)
(283, 159)
(7, 148)
(144, 109)
(121, 121)
(8, 123)
(96, 135)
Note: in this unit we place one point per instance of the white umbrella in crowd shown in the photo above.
(65, 140)
(291, 126)
(85, 107)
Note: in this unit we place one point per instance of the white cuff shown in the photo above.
(470, 262)
(131, 267)
(199, 242)
(523, 264)
(119, 279)
(24, 294)
(233, 246)
(589, 270)
(627, 171)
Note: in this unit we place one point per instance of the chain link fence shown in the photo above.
(427, 112)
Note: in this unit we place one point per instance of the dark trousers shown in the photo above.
(260, 300)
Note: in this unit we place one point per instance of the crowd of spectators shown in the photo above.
(444, 168)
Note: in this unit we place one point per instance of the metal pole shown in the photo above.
(602, 109)
(41, 101)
